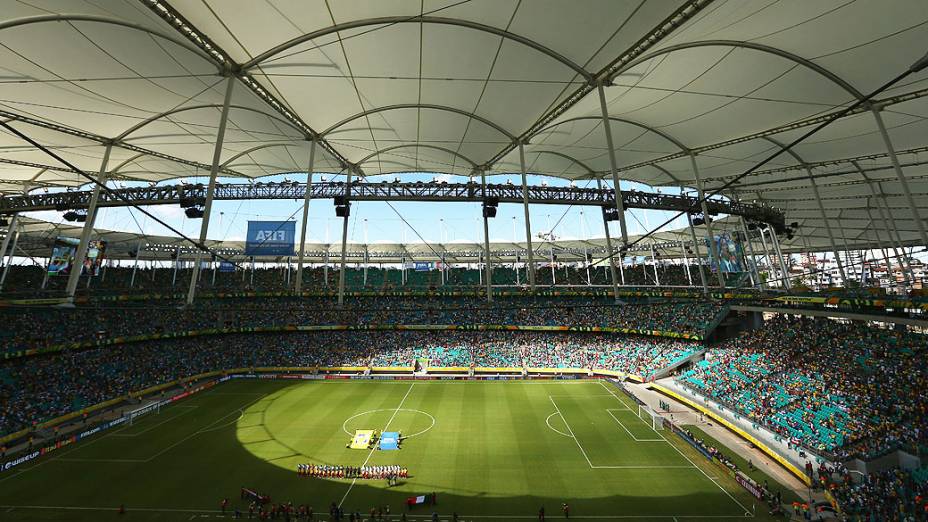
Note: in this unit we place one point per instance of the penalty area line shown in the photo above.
(555, 430)
(674, 446)
(630, 434)
(569, 430)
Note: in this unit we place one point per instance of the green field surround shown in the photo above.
(490, 450)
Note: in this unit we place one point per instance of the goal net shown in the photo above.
(651, 417)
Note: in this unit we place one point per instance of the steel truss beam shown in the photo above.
(678, 18)
(104, 140)
(362, 191)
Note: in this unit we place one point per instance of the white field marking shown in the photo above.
(548, 422)
(581, 396)
(250, 394)
(206, 428)
(82, 445)
(187, 409)
(371, 454)
(630, 434)
(241, 415)
(614, 396)
(76, 459)
(128, 509)
(746, 510)
(18, 472)
(527, 517)
(156, 455)
(74, 448)
(567, 425)
(345, 424)
(645, 466)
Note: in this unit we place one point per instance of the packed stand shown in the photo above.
(38, 388)
(838, 388)
(41, 327)
(31, 280)
(890, 495)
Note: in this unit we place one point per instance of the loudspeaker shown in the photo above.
(489, 212)
(343, 211)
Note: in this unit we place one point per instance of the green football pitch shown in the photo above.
(489, 450)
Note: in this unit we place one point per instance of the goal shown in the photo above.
(651, 417)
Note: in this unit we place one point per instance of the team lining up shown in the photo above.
(352, 472)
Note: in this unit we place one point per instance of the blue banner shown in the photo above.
(225, 266)
(422, 266)
(270, 238)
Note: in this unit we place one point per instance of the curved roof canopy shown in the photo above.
(442, 86)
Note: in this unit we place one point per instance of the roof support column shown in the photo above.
(135, 266)
(9, 260)
(341, 271)
(831, 236)
(702, 271)
(211, 188)
(895, 231)
(890, 225)
(686, 266)
(309, 185)
(752, 266)
(848, 261)
(528, 221)
(891, 278)
(776, 248)
(9, 234)
(78, 265)
(488, 265)
(609, 251)
(619, 202)
(899, 175)
(657, 278)
(713, 250)
(771, 270)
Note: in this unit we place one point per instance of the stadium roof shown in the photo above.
(449, 86)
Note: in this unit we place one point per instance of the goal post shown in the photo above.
(651, 417)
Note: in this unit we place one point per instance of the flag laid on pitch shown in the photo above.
(412, 501)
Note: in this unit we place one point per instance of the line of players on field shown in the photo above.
(352, 472)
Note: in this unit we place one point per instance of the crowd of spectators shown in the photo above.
(842, 388)
(31, 279)
(39, 327)
(894, 495)
(35, 389)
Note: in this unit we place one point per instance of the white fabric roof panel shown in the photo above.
(447, 85)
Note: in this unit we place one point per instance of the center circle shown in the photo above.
(345, 427)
